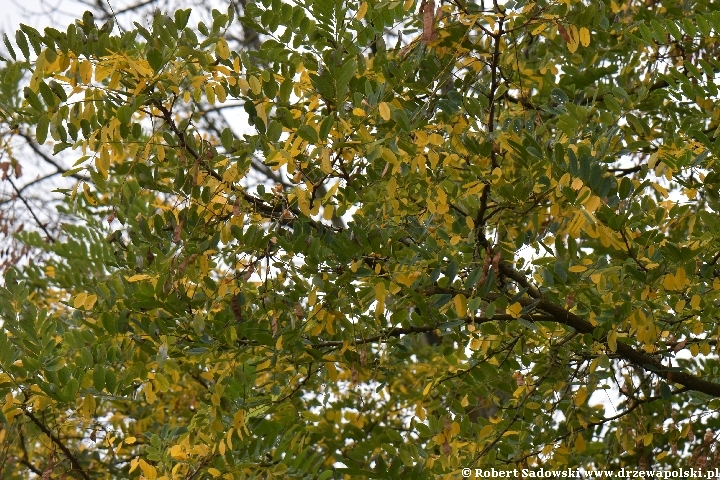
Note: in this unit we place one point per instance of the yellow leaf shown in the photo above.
(695, 301)
(325, 164)
(486, 430)
(88, 406)
(90, 301)
(255, 85)
(577, 268)
(177, 452)
(574, 38)
(137, 278)
(408, 4)
(89, 195)
(102, 162)
(580, 396)
(384, 110)
(592, 203)
(85, 71)
(538, 29)
(148, 470)
(661, 190)
(80, 300)
(222, 49)
(576, 184)
(647, 439)
(435, 139)
(496, 174)
(362, 11)
(427, 388)
(460, 305)
(359, 112)
(149, 393)
(669, 282)
(214, 472)
(580, 444)
(380, 292)
(391, 187)
(680, 278)
(210, 94)
(612, 341)
(514, 310)
(584, 36)
(130, 440)
(239, 419)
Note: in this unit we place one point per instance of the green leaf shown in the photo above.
(227, 139)
(22, 44)
(9, 47)
(99, 378)
(308, 133)
(11, 73)
(181, 17)
(155, 59)
(41, 129)
(612, 104)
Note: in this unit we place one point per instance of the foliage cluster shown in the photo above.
(477, 237)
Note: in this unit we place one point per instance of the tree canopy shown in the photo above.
(485, 235)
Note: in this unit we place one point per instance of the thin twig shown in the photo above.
(73, 459)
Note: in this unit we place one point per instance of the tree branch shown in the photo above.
(73, 459)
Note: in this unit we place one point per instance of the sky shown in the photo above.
(36, 13)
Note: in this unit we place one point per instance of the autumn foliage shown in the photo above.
(437, 236)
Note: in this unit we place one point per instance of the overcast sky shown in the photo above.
(36, 13)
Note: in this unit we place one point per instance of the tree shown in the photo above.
(478, 236)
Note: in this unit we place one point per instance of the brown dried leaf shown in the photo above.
(564, 33)
(236, 308)
(353, 376)
(249, 272)
(570, 300)
(496, 262)
(446, 448)
(428, 12)
(177, 231)
(47, 473)
(196, 172)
